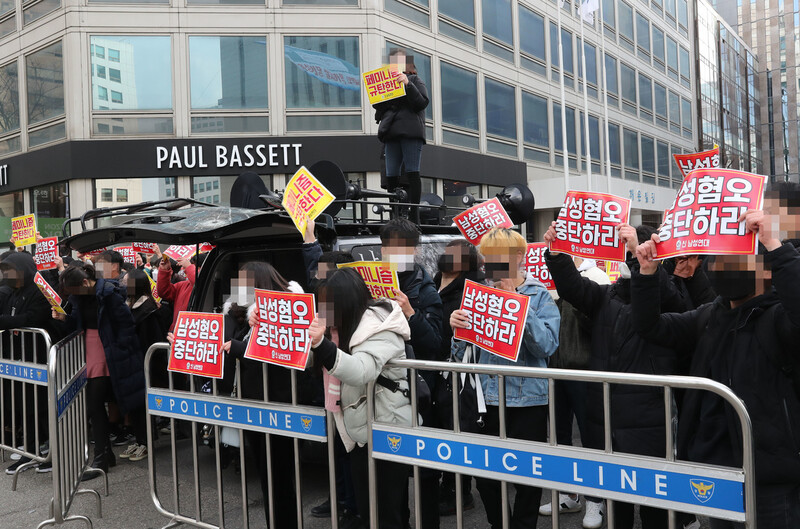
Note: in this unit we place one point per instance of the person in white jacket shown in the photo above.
(354, 337)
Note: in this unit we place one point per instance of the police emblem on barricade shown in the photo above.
(159, 400)
(702, 489)
(394, 442)
(306, 423)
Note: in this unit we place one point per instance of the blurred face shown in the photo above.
(787, 218)
(324, 270)
(106, 270)
(398, 61)
(455, 259)
(243, 288)
(736, 277)
(502, 264)
(85, 289)
(400, 254)
(11, 277)
(326, 310)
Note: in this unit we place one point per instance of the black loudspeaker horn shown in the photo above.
(518, 201)
(332, 177)
(434, 213)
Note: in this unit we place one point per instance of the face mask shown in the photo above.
(241, 296)
(402, 262)
(445, 263)
(496, 271)
(733, 284)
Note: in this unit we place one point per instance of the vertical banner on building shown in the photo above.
(305, 198)
(127, 253)
(587, 226)
(380, 277)
(704, 219)
(480, 218)
(147, 248)
(46, 253)
(497, 319)
(197, 346)
(48, 292)
(23, 230)
(281, 336)
(697, 160)
(535, 265)
(381, 85)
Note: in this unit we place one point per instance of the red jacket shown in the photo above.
(178, 294)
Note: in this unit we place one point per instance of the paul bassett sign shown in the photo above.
(233, 156)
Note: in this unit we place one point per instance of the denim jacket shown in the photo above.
(538, 343)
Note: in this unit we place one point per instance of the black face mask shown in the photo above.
(733, 284)
(445, 263)
(496, 271)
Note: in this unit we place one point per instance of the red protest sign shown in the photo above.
(480, 218)
(46, 253)
(206, 247)
(704, 219)
(697, 160)
(179, 252)
(281, 336)
(144, 247)
(127, 253)
(587, 226)
(497, 319)
(48, 292)
(535, 265)
(197, 347)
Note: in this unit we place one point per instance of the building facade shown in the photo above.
(156, 99)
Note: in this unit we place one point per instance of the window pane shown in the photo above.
(626, 21)
(566, 43)
(144, 68)
(685, 68)
(497, 19)
(558, 140)
(672, 54)
(322, 72)
(613, 143)
(459, 97)
(648, 155)
(501, 110)
(534, 120)
(686, 110)
(628, 82)
(9, 98)
(228, 72)
(642, 32)
(459, 10)
(608, 13)
(423, 64)
(663, 159)
(631, 143)
(683, 13)
(658, 44)
(45, 83)
(591, 63)
(322, 2)
(674, 108)
(611, 74)
(660, 93)
(669, 5)
(531, 34)
(50, 204)
(594, 136)
(645, 93)
(133, 190)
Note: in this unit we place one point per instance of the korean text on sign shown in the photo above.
(381, 85)
(697, 160)
(46, 253)
(144, 247)
(23, 230)
(281, 336)
(179, 252)
(380, 277)
(535, 265)
(497, 319)
(613, 271)
(475, 222)
(197, 347)
(48, 292)
(305, 198)
(704, 219)
(587, 226)
(127, 253)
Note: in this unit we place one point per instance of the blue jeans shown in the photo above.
(776, 508)
(405, 151)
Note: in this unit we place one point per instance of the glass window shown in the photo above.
(228, 72)
(459, 10)
(501, 109)
(423, 64)
(674, 110)
(683, 13)
(643, 33)
(322, 72)
(611, 75)
(102, 93)
(660, 93)
(557, 135)
(531, 34)
(631, 145)
(645, 93)
(662, 152)
(51, 206)
(658, 44)
(628, 82)
(685, 66)
(566, 43)
(122, 195)
(534, 120)
(107, 194)
(648, 155)
(590, 52)
(327, 2)
(99, 51)
(608, 13)
(613, 144)
(594, 136)
(626, 21)
(145, 71)
(101, 71)
(45, 84)
(669, 6)
(454, 191)
(686, 110)
(497, 20)
(672, 53)
(459, 97)
(9, 98)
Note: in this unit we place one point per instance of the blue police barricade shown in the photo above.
(23, 396)
(678, 486)
(69, 439)
(235, 421)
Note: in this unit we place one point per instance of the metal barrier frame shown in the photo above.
(155, 403)
(668, 383)
(13, 372)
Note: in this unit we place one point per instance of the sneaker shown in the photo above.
(593, 519)
(13, 468)
(121, 439)
(129, 451)
(693, 525)
(565, 504)
(139, 454)
(44, 468)
(44, 448)
(323, 510)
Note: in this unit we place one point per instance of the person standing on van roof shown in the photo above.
(402, 129)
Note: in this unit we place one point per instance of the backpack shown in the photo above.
(424, 400)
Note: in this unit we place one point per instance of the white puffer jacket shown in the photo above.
(379, 338)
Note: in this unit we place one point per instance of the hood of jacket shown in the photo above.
(245, 191)
(377, 319)
(23, 263)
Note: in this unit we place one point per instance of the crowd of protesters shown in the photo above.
(733, 319)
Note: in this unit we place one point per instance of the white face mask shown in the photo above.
(401, 262)
(242, 296)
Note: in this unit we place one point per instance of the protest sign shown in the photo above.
(23, 230)
(98, 251)
(206, 247)
(380, 277)
(52, 296)
(281, 336)
(382, 86)
(46, 253)
(497, 319)
(147, 248)
(535, 265)
(154, 288)
(179, 252)
(704, 219)
(587, 226)
(197, 347)
(127, 253)
(697, 160)
(305, 198)
(480, 218)
(612, 271)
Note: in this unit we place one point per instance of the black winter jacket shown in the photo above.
(739, 348)
(404, 117)
(426, 323)
(451, 300)
(637, 412)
